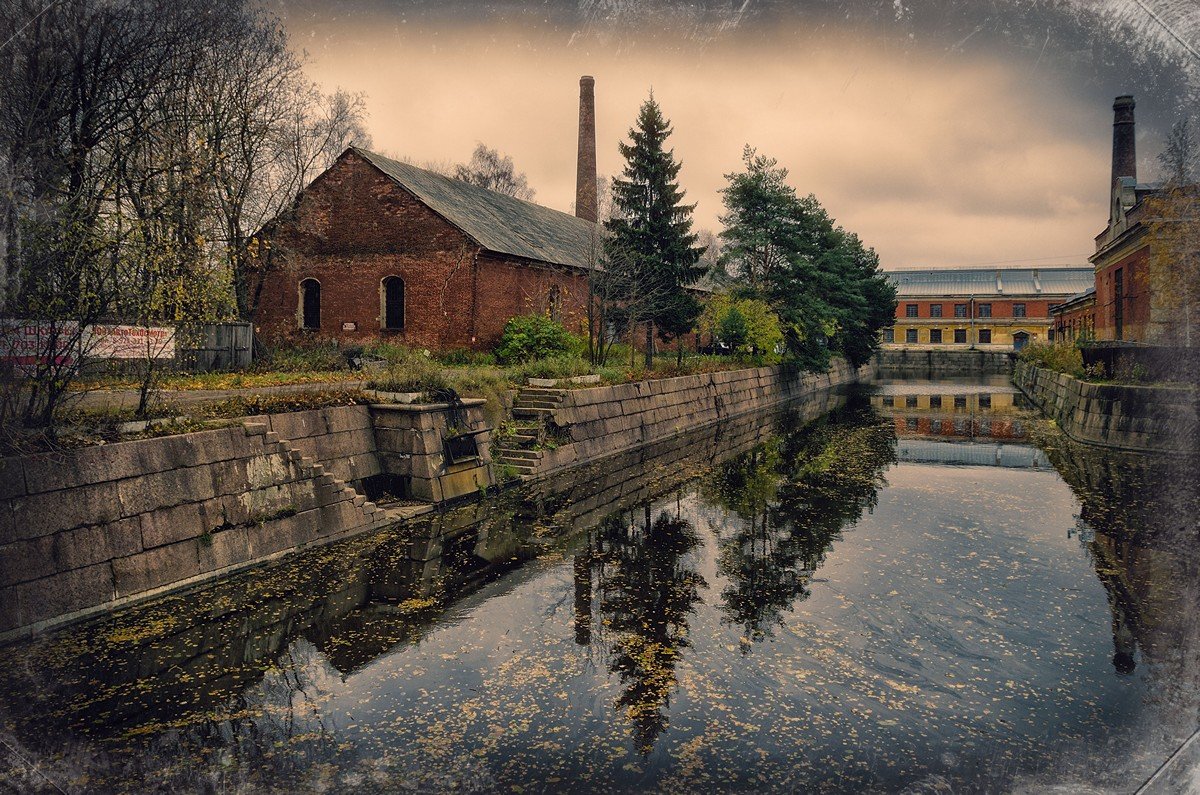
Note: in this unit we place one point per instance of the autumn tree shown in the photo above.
(650, 248)
(821, 280)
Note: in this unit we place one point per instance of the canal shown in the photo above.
(917, 587)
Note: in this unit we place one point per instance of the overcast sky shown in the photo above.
(945, 132)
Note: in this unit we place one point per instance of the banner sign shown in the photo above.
(29, 343)
(102, 341)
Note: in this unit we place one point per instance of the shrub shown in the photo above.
(1063, 357)
(534, 336)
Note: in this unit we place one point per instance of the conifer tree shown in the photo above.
(650, 251)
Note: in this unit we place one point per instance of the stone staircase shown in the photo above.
(373, 515)
(533, 406)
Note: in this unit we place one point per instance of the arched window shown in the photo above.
(310, 304)
(392, 297)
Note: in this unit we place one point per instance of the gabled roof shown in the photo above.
(1051, 282)
(496, 222)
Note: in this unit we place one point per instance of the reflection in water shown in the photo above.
(792, 602)
(791, 497)
(647, 589)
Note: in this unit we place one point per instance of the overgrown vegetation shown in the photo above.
(1063, 357)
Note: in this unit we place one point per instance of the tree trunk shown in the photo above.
(649, 345)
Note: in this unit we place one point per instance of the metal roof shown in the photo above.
(496, 222)
(1000, 282)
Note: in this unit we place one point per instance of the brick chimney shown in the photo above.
(1124, 156)
(585, 174)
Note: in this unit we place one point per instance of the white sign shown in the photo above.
(102, 341)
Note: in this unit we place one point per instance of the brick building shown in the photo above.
(1075, 318)
(378, 249)
(1128, 305)
(989, 309)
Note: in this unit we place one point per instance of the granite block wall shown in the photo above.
(1153, 419)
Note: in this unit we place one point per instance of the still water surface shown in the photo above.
(923, 589)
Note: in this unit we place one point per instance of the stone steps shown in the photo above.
(311, 469)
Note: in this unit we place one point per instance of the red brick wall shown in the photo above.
(354, 227)
(1001, 308)
(1137, 297)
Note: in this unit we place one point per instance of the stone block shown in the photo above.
(64, 593)
(42, 514)
(299, 424)
(348, 418)
(85, 546)
(12, 477)
(268, 470)
(163, 489)
(155, 568)
(228, 548)
(179, 522)
(8, 527)
(31, 559)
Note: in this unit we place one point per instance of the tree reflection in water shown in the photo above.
(793, 494)
(648, 586)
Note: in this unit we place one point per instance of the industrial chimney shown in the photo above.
(585, 175)
(1124, 160)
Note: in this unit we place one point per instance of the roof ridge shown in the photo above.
(458, 183)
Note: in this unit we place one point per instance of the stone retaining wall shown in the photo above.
(597, 422)
(89, 529)
(941, 363)
(1139, 418)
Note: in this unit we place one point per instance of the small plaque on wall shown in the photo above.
(349, 326)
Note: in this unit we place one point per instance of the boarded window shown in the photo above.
(310, 304)
(393, 303)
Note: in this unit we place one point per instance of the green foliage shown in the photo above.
(821, 281)
(1062, 357)
(650, 252)
(533, 336)
(747, 324)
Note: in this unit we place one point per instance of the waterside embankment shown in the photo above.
(1147, 419)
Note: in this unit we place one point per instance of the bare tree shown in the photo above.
(494, 171)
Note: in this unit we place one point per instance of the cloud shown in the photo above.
(934, 158)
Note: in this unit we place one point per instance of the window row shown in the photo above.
(391, 304)
(935, 401)
(961, 310)
(935, 336)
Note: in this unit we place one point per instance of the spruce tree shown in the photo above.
(650, 251)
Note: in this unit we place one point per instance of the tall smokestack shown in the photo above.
(585, 174)
(1124, 161)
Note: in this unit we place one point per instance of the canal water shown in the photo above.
(920, 588)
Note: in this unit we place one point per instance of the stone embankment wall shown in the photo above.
(1139, 418)
(597, 422)
(941, 363)
(86, 530)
